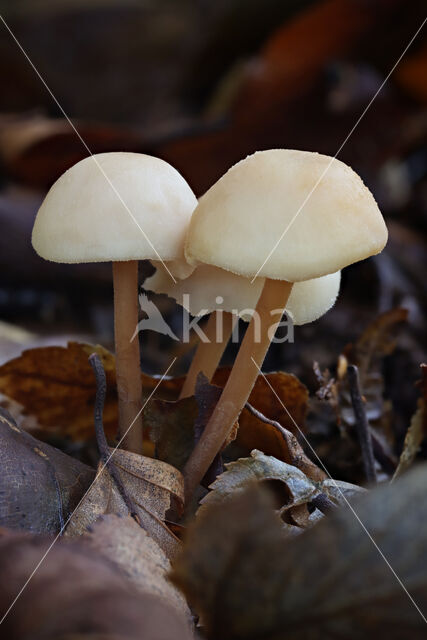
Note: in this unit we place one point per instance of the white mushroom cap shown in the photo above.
(85, 219)
(319, 209)
(209, 288)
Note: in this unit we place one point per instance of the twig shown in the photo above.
(324, 504)
(104, 451)
(362, 425)
(297, 455)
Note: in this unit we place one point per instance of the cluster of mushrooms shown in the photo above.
(272, 235)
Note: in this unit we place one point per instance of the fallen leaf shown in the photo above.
(154, 487)
(376, 341)
(295, 488)
(171, 427)
(288, 392)
(55, 389)
(290, 486)
(139, 557)
(175, 427)
(273, 439)
(40, 485)
(417, 429)
(76, 593)
(248, 580)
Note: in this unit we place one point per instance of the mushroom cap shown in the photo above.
(110, 207)
(286, 215)
(308, 300)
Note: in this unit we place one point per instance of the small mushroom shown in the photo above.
(120, 208)
(227, 296)
(285, 216)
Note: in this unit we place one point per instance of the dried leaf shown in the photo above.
(56, 386)
(171, 426)
(297, 488)
(273, 439)
(291, 393)
(249, 581)
(417, 429)
(289, 484)
(376, 341)
(76, 593)
(40, 485)
(129, 547)
(175, 427)
(154, 486)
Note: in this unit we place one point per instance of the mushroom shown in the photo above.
(227, 296)
(121, 208)
(286, 216)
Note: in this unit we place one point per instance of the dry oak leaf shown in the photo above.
(139, 557)
(56, 387)
(40, 485)
(291, 487)
(248, 581)
(76, 593)
(154, 487)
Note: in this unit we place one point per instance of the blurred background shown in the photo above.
(202, 84)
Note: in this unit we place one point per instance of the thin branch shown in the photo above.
(324, 504)
(104, 451)
(362, 425)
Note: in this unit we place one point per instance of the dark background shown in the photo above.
(201, 84)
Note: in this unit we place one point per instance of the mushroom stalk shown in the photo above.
(242, 378)
(128, 370)
(208, 354)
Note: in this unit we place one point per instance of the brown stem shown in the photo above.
(242, 378)
(208, 354)
(362, 425)
(129, 386)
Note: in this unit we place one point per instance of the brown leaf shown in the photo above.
(129, 547)
(417, 429)
(176, 426)
(171, 426)
(247, 580)
(291, 393)
(154, 486)
(40, 485)
(76, 593)
(376, 341)
(273, 439)
(56, 386)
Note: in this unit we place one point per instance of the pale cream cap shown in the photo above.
(241, 218)
(85, 219)
(211, 288)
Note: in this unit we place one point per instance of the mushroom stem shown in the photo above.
(128, 370)
(208, 354)
(242, 378)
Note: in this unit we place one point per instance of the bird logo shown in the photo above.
(154, 321)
